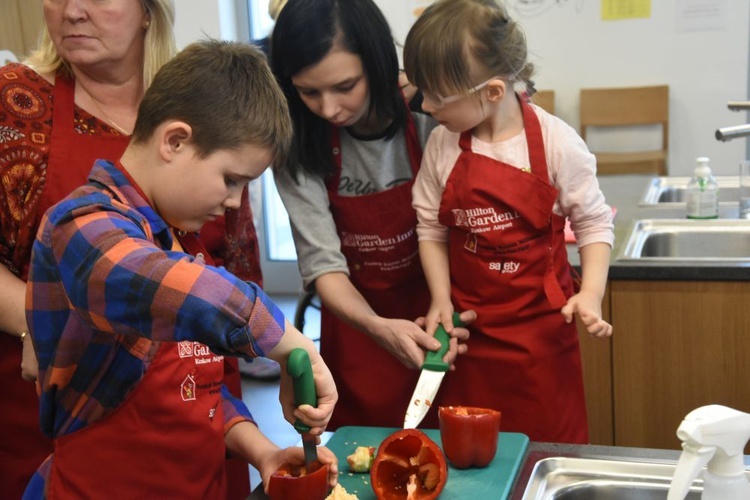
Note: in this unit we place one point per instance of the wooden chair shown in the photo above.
(545, 99)
(628, 107)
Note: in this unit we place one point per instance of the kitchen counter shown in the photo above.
(624, 192)
(539, 451)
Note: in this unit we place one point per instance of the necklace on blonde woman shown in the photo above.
(103, 114)
(117, 127)
(109, 120)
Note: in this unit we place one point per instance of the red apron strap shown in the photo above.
(464, 141)
(535, 140)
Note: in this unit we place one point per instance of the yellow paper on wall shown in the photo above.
(613, 10)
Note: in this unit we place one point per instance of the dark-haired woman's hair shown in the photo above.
(303, 35)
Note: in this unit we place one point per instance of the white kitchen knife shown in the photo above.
(433, 371)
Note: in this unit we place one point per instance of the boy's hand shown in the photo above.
(325, 388)
(296, 456)
(589, 309)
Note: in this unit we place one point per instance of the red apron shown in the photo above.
(174, 418)
(509, 263)
(378, 239)
(237, 472)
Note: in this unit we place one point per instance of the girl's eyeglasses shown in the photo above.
(439, 101)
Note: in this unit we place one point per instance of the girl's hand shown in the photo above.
(439, 313)
(589, 309)
(459, 335)
(295, 455)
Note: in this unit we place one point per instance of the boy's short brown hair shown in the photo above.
(225, 92)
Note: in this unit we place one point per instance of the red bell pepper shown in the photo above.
(469, 435)
(293, 482)
(408, 465)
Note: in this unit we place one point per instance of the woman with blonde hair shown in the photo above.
(74, 100)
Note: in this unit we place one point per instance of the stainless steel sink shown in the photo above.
(680, 240)
(567, 478)
(670, 191)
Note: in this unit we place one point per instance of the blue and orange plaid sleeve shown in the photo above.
(122, 283)
(234, 409)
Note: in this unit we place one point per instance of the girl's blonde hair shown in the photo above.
(158, 46)
(456, 44)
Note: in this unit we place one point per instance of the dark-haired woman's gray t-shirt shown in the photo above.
(369, 165)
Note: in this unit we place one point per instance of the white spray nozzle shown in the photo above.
(712, 435)
(716, 425)
(691, 462)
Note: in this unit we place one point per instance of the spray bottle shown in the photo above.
(715, 435)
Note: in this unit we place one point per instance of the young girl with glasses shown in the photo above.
(347, 189)
(498, 179)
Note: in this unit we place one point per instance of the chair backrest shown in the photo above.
(545, 99)
(6, 56)
(628, 107)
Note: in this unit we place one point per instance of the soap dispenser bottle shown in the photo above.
(715, 435)
(702, 192)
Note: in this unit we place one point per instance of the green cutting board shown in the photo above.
(493, 481)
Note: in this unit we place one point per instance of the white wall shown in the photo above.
(573, 48)
(197, 19)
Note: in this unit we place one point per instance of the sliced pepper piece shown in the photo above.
(408, 466)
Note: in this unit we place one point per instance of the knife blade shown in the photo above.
(300, 369)
(433, 371)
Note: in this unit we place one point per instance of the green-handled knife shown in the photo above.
(299, 368)
(433, 371)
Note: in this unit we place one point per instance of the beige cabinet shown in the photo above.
(596, 355)
(677, 345)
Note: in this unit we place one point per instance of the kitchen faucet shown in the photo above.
(729, 133)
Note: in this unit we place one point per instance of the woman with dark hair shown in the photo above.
(347, 188)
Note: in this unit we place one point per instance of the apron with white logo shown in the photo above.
(166, 440)
(509, 263)
(378, 239)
